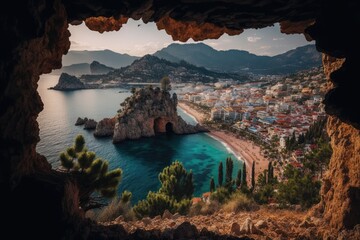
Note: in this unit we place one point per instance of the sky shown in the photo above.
(138, 39)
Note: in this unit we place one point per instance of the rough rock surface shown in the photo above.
(280, 224)
(37, 37)
(105, 127)
(68, 82)
(90, 124)
(80, 121)
(341, 186)
(146, 113)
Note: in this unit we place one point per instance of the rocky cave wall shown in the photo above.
(37, 37)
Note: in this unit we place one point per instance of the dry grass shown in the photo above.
(109, 213)
(239, 202)
(204, 208)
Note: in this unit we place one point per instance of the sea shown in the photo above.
(140, 160)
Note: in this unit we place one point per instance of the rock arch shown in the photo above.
(163, 125)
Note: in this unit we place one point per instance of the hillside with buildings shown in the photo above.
(270, 111)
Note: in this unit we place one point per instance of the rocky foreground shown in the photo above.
(146, 113)
(264, 224)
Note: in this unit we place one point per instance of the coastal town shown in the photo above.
(269, 112)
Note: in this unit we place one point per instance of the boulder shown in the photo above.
(167, 215)
(80, 121)
(235, 229)
(105, 128)
(186, 231)
(146, 221)
(247, 226)
(90, 124)
(261, 224)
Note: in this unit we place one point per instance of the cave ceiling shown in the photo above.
(196, 19)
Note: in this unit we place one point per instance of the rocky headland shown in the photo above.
(68, 82)
(89, 124)
(148, 112)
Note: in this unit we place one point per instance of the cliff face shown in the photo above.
(341, 188)
(147, 113)
(68, 82)
(37, 38)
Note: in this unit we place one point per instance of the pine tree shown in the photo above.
(220, 174)
(174, 194)
(253, 176)
(238, 179)
(270, 173)
(165, 84)
(176, 182)
(212, 185)
(244, 182)
(90, 173)
(228, 171)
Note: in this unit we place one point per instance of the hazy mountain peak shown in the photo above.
(233, 60)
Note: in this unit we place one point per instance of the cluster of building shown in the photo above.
(279, 106)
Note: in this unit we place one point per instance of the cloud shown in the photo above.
(147, 48)
(75, 45)
(277, 39)
(213, 44)
(265, 47)
(253, 39)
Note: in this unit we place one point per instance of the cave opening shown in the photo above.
(169, 128)
(20, 102)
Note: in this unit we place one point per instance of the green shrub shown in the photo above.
(264, 193)
(174, 194)
(156, 203)
(221, 195)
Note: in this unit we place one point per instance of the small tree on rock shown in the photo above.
(165, 84)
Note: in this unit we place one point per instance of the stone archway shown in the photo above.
(169, 128)
(162, 125)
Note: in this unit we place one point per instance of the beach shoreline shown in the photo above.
(243, 149)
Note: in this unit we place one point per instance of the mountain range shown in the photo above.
(242, 61)
(106, 57)
(202, 55)
(150, 69)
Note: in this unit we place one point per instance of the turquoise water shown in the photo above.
(141, 160)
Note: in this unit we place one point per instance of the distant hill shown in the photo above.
(98, 68)
(203, 55)
(151, 69)
(74, 69)
(79, 69)
(107, 57)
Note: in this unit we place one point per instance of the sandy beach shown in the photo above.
(245, 149)
(200, 117)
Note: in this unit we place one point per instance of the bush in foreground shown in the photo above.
(174, 194)
(90, 173)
